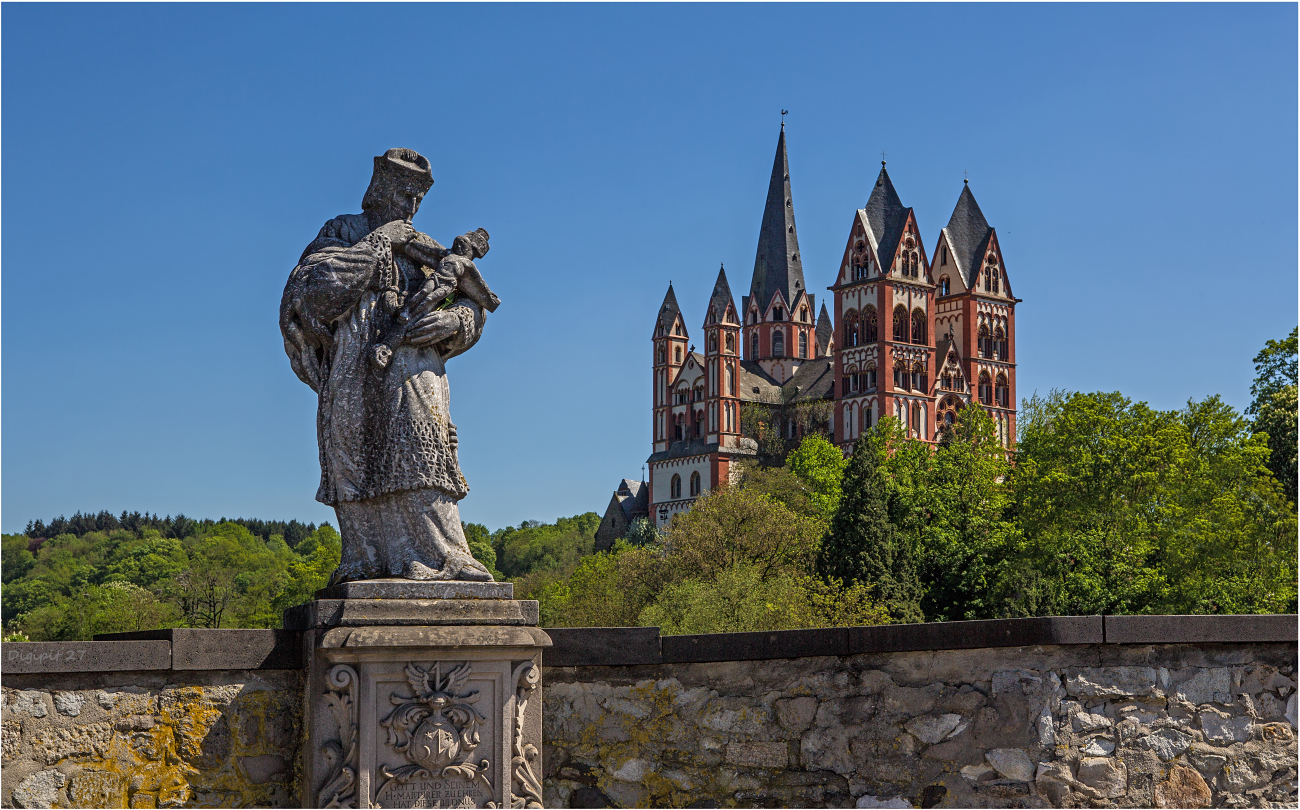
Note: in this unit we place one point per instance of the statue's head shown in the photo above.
(474, 244)
(400, 181)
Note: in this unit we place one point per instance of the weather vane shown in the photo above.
(882, 157)
(784, 113)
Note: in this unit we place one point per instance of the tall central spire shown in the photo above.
(777, 265)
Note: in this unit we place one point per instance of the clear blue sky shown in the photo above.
(164, 166)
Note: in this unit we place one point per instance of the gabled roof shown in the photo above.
(756, 384)
(968, 233)
(777, 267)
(637, 503)
(811, 381)
(825, 330)
(886, 216)
(721, 297)
(629, 487)
(687, 369)
(669, 311)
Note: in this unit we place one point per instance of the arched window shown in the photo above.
(699, 393)
(676, 487)
(713, 343)
(1000, 343)
(900, 324)
(943, 256)
(869, 326)
(778, 343)
(803, 343)
(677, 354)
(985, 349)
(677, 330)
(920, 380)
(1001, 393)
(661, 355)
(695, 483)
(851, 329)
(679, 427)
(867, 419)
(944, 284)
(803, 314)
(871, 377)
(901, 380)
(699, 424)
(918, 327)
(986, 388)
(916, 265)
(730, 343)
(988, 279)
(753, 347)
(996, 278)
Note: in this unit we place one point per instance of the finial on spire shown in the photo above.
(882, 159)
(784, 113)
(965, 177)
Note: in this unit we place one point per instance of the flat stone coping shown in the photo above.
(412, 589)
(325, 613)
(193, 649)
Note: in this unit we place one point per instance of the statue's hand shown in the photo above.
(432, 327)
(399, 232)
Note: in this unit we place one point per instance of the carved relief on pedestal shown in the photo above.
(340, 788)
(436, 730)
(525, 788)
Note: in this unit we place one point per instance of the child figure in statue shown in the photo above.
(455, 273)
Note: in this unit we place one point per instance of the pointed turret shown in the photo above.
(668, 313)
(825, 331)
(721, 298)
(969, 233)
(887, 216)
(777, 266)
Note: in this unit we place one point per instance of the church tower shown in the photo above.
(975, 319)
(778, 332)
(670, 348)
(884, 303)
(722, 358)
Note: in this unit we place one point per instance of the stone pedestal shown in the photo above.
(421, 695)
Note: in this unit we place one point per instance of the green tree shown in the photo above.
(742, 599)
(865, 543)
(820, 465)
(964, 531)
(1274, 408)
(16, 560)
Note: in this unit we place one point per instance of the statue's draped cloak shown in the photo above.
(379, 431)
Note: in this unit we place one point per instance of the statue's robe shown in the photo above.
(387, 443)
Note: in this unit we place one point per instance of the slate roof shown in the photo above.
(777, 264)
(636, 502)
(668, 311)
(721, 297)
(811, 381)
(886, 216)
(825, 330)
(968, 233)
(752, 376)
(698, 447)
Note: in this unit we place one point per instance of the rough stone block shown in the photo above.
(1183, 788)
(1012, 763)
(602, 646)
(1167, 743)
(1206, 686)
(754, 646)
(41, 789)
(758, 754)
(1200, 629)
(1106, 775)
(1112, 681)
(412, 589)
(975, 634)
(26, 657)
(931, 729)
(1223, 729)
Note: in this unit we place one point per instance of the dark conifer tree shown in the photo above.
(863, 545)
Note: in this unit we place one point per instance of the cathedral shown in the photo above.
(908, 334)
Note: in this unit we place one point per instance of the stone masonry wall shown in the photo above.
(151, 739)
(1182, 725)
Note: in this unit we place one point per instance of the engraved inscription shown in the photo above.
(433, 793)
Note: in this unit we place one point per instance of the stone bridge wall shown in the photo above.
(1074, 711)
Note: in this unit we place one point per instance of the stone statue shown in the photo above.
(368, 322)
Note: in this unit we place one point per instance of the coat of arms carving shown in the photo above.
(436, 729)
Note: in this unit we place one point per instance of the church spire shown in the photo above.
(777, 266)
(668, 312)
(721, 298)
